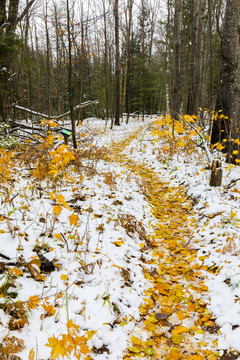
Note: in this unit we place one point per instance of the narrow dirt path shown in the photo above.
(174, 315)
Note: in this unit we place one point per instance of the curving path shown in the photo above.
(174, 315)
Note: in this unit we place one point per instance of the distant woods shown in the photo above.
(132, 56)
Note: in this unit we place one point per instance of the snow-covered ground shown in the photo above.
(95, 242)
(217, 237)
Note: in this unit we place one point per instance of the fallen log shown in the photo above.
(16, 124)
(80, 106)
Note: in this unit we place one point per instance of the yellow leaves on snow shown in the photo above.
(174, 354)
(57, 347)
(73, 219)
(49, 309)
(34, 268)
(180, 329)
(31, 355)
(175, 266)
(136, 341)
(118, 243)
(16, 271)
(33, 302)
(64, 277)
(68, 344)
(141, 346)
(176, 338)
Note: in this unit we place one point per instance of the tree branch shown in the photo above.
(81, 106)
(205, 146)
(25, 11)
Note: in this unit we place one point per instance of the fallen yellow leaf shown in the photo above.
(118, 243)
(73, 219)
(136, 341)
(31, 355)
(180, 329)
(176, 339)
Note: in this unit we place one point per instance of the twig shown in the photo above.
(27, 132)
(203, 141)
(232, 182)
(4, 256)
(65, 240)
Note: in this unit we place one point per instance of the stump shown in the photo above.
(216, 173)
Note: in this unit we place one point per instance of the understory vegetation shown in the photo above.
(107, 239)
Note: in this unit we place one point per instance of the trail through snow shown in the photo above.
(149, 268)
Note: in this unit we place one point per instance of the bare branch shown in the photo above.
(81, 106)
(204, 143)
(25, 11)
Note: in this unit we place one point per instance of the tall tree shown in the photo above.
(227, 123)
(9, 44)
(196, 56)
(70, 77)
(48, 59)
(176, 81)
(117, 65)
(126, 68)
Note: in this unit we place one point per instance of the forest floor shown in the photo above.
(121, 251)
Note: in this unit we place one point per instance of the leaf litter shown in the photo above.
(132, 268)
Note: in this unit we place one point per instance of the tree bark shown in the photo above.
(48, 61)
(117, 65)
(196, 56)
(26, 10)
(128, 32)
(2, 13)
(12, 16)
(216, 173)
(175, 91)
(70, 80)
(206, 98)
(8, 22)
(105, 111)
(227, 123)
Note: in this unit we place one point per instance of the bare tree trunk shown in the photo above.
(111, 85)
(12, 15)
(81, 70)
(2, 13)
(117, 66)
(27, 55)
(58, 61)
(70, 80)
(228, 126)
(105, 57)
(167, 57)
(48, 59)
(176, 81)
(196, 56)
(207, 65)
(128, 32)
(154, 13)
(9, 19)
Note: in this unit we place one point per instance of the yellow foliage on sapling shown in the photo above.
(6, 164)
(176, 134)
(51, 163)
